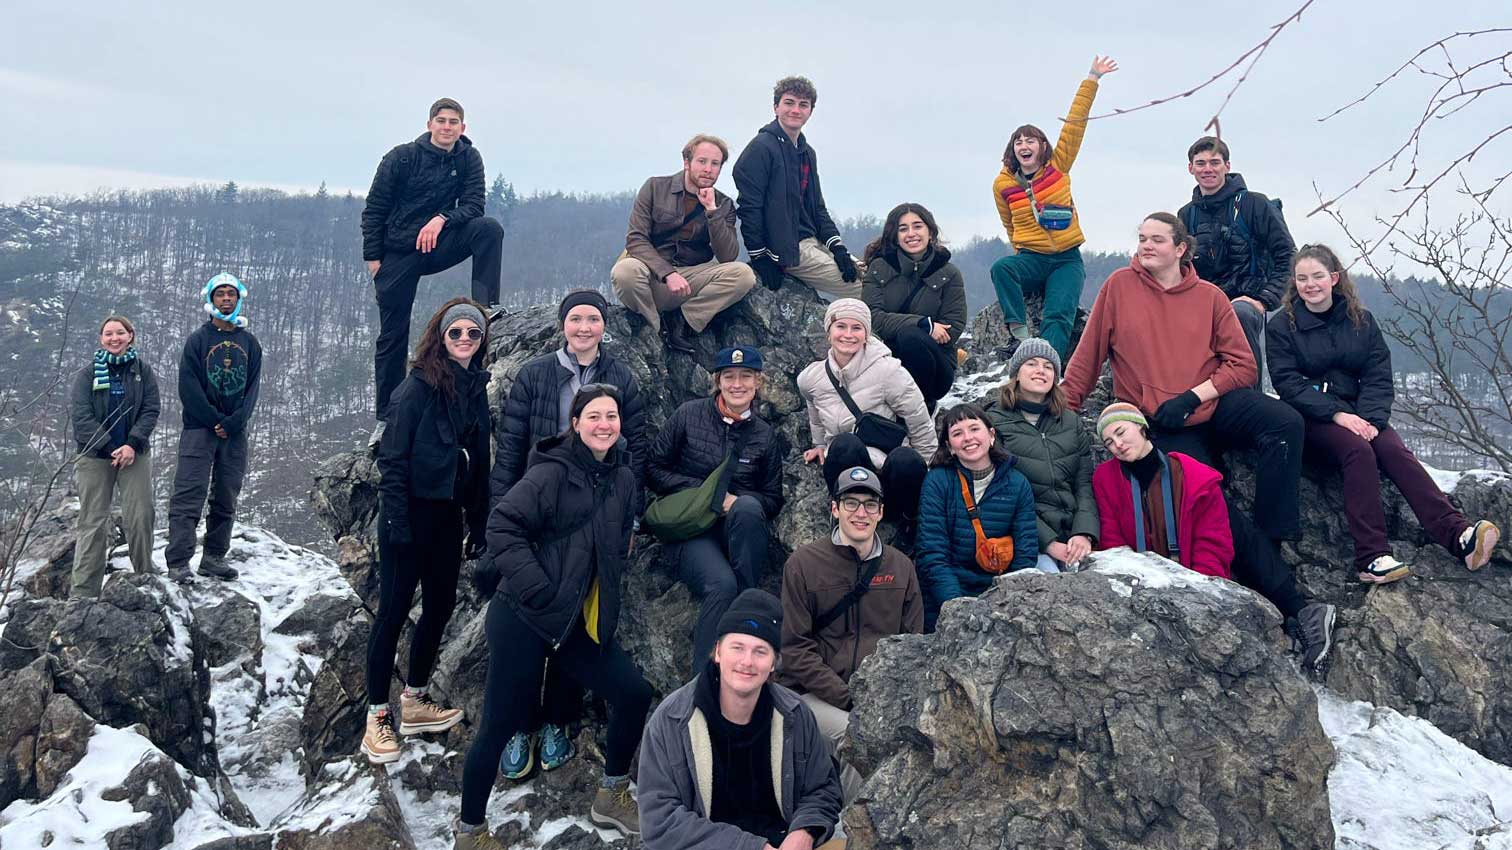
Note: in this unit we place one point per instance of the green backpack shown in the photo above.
(685, 514)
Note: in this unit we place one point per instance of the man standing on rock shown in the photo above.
(787, 228)
(839, 598)
(732, 761)
(424, 214)
(678, 270)
(218, 382)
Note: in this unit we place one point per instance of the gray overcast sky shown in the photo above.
(915, 99)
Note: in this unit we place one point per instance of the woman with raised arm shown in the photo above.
(1328, 359)
(1033, 195)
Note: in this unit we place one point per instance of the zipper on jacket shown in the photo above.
(584, 593)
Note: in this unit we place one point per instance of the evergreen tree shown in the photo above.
(502, 200)
(227, 194)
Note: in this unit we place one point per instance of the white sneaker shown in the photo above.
(1384, 570)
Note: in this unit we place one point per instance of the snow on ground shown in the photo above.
(970, 388)
(1448, 480)
(1152, 571)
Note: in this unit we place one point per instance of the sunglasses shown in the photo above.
(456, 333)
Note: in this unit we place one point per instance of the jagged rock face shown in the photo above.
(1132, 705)
(352, 807)
(24, 696)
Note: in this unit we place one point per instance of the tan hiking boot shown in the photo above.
(379, 743)
(615, 807)
(480, 840)
(419, 713)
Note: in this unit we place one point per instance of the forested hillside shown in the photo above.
(66, 263)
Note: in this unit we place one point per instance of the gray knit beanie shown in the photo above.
(1033, 347)
(464, 310)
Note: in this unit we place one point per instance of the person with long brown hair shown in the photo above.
(1033, 195)
(432, 491)
(1329, 360)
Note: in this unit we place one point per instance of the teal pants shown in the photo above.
(1058, 277)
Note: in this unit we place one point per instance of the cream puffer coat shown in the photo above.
(879, 384)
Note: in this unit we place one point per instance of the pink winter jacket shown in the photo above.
(1202, 525)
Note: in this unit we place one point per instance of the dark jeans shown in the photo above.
(207, 466)
(398, 277)
(1253, 323)
(430, 563)
(932, 365)
(1362, 462)
(720, 563)
(516, 655)
(1247, 418)
(902, 474)
(1058, 276)
(1258, 565)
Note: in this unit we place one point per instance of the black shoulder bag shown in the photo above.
(875, 430)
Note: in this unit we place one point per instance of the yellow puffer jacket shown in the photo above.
(1052, 185)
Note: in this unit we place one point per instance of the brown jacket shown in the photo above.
(662, 238)
(816, 577)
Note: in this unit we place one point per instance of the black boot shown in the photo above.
(675, 332)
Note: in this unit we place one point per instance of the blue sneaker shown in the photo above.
(556, 747)
(519, 756)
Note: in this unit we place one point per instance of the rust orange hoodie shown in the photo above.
(1163, 342)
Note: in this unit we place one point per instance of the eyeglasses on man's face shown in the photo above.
(871, 506)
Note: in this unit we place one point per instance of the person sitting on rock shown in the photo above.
(679, 268)
(557, 544)
(423, 215)
(917, 298)
(787, 228)
(219, 378)
(114, 407)
(976, 513)
(729, 557)
(841, 596)
(855, 397)
(1153, 501)
(539, 406)
(732, 760)
(432, 490)
(1033, 195)
(1211, 537)
(1329, 360)
(1052, 450)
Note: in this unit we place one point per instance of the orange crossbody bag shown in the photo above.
(993, 554)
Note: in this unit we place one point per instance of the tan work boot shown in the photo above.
(615, 807)
(480, 840)
(379, 743)
(419, 713)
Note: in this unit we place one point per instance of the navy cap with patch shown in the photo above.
(743, 356)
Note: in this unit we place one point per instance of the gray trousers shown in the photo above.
(97, 482)
(207, 466)
(832, 722)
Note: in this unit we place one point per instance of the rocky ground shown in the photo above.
(1127, 706)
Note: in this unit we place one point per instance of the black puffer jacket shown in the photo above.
(1223, 253)
(90, 407)
(696, 439)
(436, 448)
(1323, 364)
(565, 523)
(768, 180)
(891, 279)
(415, 182)
(533, 406)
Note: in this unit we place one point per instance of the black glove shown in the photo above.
(843, 261)
(767, 271)
(475, 548)
(1173, 414)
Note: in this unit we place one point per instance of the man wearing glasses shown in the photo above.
(839, 598)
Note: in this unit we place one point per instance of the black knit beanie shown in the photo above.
(578, 298)
(756, 613)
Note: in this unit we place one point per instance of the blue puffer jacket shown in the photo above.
(945, 549)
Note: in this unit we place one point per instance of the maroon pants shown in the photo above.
(1362, 462)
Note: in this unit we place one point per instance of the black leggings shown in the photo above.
(902, 474)
(431, 563)
(932, 365)
(516, 657)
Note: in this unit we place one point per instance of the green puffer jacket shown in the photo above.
(1058, 463)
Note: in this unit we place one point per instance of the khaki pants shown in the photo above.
(816, 267)
(97, 482)
(714, 286)
(832, 723)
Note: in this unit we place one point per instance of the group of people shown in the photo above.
(743, 755)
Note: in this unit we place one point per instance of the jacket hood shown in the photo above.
(1189, 278)
(1231, 186)
(561, 448)
(463, 143)
(936, 259)
(775, 129)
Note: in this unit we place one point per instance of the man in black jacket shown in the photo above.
(218, 381)
(424, 214)
(1243, 246)
(787, 229)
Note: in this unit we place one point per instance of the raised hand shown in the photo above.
(706, 197)
(1103, 65)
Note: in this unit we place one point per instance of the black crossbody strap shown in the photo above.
(844, 395)
(863, 584)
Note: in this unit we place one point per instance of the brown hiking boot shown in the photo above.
(379, 743)
(615, 807)
(480, 840)
(420, 713)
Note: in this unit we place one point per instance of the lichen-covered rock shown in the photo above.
(1135, 704)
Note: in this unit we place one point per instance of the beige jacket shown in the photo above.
(879, 384)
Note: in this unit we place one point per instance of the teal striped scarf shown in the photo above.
(103, 360)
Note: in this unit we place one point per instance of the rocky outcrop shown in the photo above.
(1131, 705)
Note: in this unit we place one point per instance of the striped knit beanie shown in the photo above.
(1120, 411)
